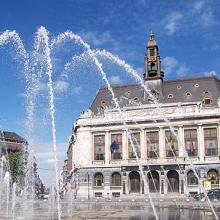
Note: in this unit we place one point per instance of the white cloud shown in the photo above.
(97, 39)
(182, 70)
(50, 161)
(42, 87)
(171, 65)
(204, 13)
(76, 90)
(198, 5)
(44, 155)
(21, 95)
(140, 70)
(210, 73)
(172, 21)
(207, 17)
(61, 86)
(115, 80)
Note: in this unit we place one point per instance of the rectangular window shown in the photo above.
(191, 142)
(153, 144)
(151, 52)
(135, 137)
(98, 194)
(99, 147)
(116, 194)
(116, 146)
(211, 143)
(171, 144)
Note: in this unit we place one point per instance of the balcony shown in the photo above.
(98, 162)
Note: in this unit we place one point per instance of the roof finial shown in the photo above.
(151, 35)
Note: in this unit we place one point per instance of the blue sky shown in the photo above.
(187, 32)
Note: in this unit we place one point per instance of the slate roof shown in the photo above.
(12, 137)
(197, 89)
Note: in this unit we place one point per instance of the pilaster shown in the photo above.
(162, 151)
(107, 147)
(201, 146)
(124, 145)
(143, 144)
(181, 144)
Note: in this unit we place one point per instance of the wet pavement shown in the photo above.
(123, 209)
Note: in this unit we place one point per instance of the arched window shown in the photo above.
(173, 181)
(116, 179)
(213, 177)
(153, 181)
(98, 179)
(152, 66)
(191, 178)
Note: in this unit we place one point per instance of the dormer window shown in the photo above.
(207, 101)
(196, 85)
(178, 87)
(103, 104)
(136, 99)
(170, 96)
(188, 94)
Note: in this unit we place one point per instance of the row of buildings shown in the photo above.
(174, 131)
(12, 143)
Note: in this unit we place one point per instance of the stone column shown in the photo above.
(143, 145)
(162, 150)
(107, 147)
(165, 182)
(107, 183)
(181, 145)
(201, 146)
(162, 180)
(181, 182)
(124, 145)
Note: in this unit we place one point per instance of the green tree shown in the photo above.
(15, 165)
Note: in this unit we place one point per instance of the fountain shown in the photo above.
(20, 201)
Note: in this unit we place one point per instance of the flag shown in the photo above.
(113, 147)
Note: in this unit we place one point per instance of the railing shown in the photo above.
(172, 153)
(98, 162)
(211, 152)
(131, 155)
(192, 153)
(116, 156)
(153, 154)
(99, 157)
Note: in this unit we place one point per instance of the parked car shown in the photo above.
(212, 194)
(199, 196)
(42, 196)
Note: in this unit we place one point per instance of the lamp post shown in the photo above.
(88, 186)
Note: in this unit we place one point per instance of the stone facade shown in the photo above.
(173, 144)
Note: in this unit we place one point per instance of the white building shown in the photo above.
(103, 158)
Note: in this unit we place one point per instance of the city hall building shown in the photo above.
(171, 140)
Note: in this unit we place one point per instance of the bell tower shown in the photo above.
(152, 61)
(153, 76)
